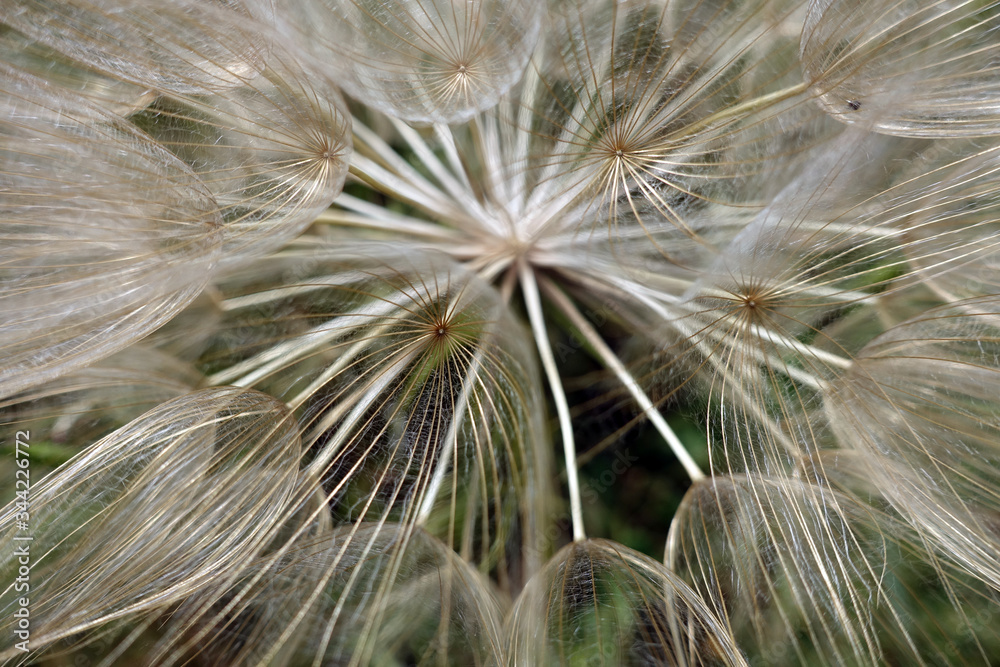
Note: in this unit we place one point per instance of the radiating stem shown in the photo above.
(533, 303)
(618, 368)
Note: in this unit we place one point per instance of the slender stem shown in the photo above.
(460, 192)
(249, 371)
(507, 286)
(487, 267)
(641, 292)
(447, 142)
(533, 303)
(386, 222)
(675, 314)
(749, 105)
(618, 368)
(806, 350)
(343, 361)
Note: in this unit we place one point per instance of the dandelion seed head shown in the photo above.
(768, 226)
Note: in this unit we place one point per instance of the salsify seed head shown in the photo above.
(300, 300)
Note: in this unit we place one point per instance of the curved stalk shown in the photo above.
(533, 302)
(609, 359)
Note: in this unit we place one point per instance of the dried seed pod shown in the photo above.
(367, 594)
(599, 600)
(414, 387)
(431, 61)
(182, 46)
(104, 235)
(273, 151)
(907, 68)
(176, 502)
(920, 405)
